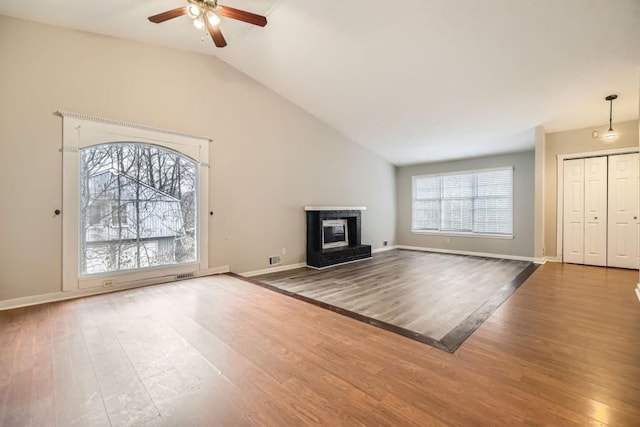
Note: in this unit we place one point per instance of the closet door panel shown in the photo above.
(623, 211)
(595, 211)
(573, 217)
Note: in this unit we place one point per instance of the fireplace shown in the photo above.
(334, 235)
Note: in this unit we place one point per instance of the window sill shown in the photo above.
(454, 234)
(136, 275)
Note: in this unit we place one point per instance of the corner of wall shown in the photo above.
(539, 170)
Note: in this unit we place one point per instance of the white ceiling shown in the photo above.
(412, 80)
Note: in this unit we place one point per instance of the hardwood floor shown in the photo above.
(563, 350)
(424, 295)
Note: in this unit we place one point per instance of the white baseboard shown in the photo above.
(552, 259)
(456, 252)
(542, 260)
(383, 249)
(638, 291)
(275, 269)
(61, 296)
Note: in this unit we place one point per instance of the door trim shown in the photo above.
(560, 158)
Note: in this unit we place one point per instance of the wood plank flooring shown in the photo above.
(563, 350)
(423, 294)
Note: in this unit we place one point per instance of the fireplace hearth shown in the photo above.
(334, 235)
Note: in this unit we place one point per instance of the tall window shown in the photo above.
(479, 202)
(137, 207)
(135, 203)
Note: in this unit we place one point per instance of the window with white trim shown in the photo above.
(474, 203)
(135, 203)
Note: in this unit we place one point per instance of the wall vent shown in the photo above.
(184, 276)
(274, 260)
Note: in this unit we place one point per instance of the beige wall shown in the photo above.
(575, 141)
(523, 209)
(269, 158)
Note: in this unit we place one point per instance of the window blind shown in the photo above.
(467, 202)
(457, 202)
(427, 206)
(493, 205)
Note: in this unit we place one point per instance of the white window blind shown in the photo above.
(479, 202)
(457, 202)
(426, 207)
(493, 204)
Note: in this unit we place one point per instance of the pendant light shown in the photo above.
(610, 135)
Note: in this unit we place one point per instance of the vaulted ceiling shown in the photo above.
(412, 80)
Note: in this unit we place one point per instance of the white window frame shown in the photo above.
(461, 233)
(79, 131)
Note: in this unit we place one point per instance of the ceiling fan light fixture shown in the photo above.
(213, 18)
(198, 23)
(193, 11)
(611, 135)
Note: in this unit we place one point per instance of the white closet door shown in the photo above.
(573, 227)
(623, 211)
(595, 211)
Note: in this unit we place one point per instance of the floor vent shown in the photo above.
(184, 276)
(274, 260)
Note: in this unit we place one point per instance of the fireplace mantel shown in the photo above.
(335, 208)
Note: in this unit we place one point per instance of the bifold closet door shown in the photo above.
(595, 211)
(573, 217)
(623, 211)
(585, 211)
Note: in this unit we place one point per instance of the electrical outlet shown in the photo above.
(284, 251)
(385, 243)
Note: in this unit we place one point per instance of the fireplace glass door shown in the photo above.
(334, 233)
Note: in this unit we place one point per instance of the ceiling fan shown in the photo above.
(207, 13)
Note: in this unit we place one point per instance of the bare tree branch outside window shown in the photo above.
(138, 207)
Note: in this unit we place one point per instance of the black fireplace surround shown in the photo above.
(318, 257)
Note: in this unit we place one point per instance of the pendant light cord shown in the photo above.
(611, 98)
(610, 114)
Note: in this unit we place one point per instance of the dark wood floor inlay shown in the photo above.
(437, 299)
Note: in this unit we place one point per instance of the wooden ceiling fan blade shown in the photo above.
(241, 15)
(216, 34)
(169, 14)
